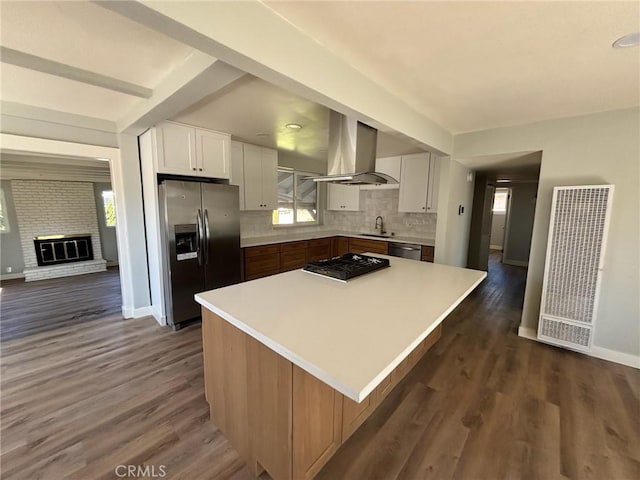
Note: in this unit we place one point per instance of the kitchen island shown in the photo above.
(294, 363)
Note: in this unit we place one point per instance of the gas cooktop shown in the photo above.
(347, 266)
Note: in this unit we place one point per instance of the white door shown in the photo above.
(414, 182)
(212, 152)
(176, 149)
(335, 196)
(343, 197)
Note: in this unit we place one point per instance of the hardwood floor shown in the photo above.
(79, 400)
(33, 307)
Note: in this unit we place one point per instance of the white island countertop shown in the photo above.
(349, 335)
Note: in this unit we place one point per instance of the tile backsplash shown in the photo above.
(372, 203)
(384, 203)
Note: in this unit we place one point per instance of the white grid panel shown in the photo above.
(577, 236)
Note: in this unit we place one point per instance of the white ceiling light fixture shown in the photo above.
(503, 180)
(630, 40)
(293, 126)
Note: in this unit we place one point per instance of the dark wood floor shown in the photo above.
(27, 308)
(483, 404)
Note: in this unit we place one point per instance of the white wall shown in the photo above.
(497, 230)
(452, 230)
(523, 206)
(602, 148)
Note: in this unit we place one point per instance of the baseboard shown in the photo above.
(495, 247)
(112, 263)
(615, 356)
(137, 312)
(11, 276)
(515, 263)
(597, 352)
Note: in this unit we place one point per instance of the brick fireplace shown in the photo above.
(51, 216)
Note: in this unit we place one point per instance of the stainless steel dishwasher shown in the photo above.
(405, 250)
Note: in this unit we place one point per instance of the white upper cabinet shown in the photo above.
(343, 197)
(419, 183)
(237, 170)
(389, 166)
(176, 149)
(212, 154)
(260, 178)
(186, 150)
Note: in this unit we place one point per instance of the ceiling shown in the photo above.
(81, 35)
(466, 65)
(257, 112)
(518, 166)
(477, 65)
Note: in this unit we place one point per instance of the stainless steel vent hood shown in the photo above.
(352, 153)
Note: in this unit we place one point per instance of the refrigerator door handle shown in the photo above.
(199, 236)
(207, 235)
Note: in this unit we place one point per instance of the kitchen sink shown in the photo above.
(374, 235)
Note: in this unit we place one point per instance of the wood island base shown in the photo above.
(277, 416)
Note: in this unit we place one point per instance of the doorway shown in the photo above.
(499, 210)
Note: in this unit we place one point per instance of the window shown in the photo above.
(297, 199)
(500, 199)
(109, 208)
(4, 221)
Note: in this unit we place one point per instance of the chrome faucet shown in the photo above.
(380, 225)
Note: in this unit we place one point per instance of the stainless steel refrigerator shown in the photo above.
(201, 243)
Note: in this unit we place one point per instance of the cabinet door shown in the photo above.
(317, 424)
(252, 177)
(414, 182)
(237, 170)
(212, 153)
(269, 179)
(176, 149)
(343, 197)
(389, 166)
(335, 196)
(434, 184)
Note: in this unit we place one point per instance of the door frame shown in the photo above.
(39, 146)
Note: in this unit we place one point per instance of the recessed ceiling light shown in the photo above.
(503, 180)
(293, 126)
(631, 40)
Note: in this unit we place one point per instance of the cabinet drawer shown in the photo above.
(428, 254)
(293, 260)
(359, 245)
(262, 263)
(294, 246)
(250, 252)
(319, 249)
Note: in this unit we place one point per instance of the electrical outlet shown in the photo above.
(8, 269)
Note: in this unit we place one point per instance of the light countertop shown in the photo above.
(271, 239)
(349, 335)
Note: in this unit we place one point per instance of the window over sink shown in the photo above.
(297, 198)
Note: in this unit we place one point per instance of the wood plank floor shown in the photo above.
(25, 308)
(79, 400)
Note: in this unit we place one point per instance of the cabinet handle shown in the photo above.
(200, 169)
(424, 208)
(194, 169)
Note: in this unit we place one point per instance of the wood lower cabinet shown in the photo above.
(317, 423)
(261, 261)
(361, 245)
(339, 246)
(319, 249)
(293, 255)
(277, 416)
(428, 254)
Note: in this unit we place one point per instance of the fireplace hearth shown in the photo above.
(56, 249)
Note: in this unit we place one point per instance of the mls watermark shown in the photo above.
(141, 471)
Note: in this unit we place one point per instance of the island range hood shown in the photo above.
(352, 153)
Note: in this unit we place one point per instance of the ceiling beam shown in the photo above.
(51, 67)
(198, 76)
(254, 38)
